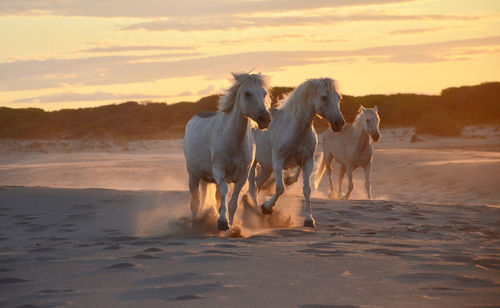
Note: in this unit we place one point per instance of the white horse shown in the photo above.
(351, 148)
(219, 147)
(290, 140)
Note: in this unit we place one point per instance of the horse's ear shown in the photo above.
(361, 108)
(375, 108)
(327, 82)
(237, 76)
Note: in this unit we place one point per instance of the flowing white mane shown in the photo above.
(242, 80)
(299, 98)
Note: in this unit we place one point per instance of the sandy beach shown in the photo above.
(96, 224)
(100, 99)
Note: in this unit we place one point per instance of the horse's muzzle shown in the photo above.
(263, 120)
(337, 125)
(376, 137)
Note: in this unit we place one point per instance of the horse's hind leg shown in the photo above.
(252, 190)
(328, 166)
(368, 169)
(262, 177)
(194, 183)
(203, 194)
(290, 179)
(306, 173)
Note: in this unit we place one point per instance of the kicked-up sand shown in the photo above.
(107, 225)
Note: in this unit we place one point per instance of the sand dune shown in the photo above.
(86, 225)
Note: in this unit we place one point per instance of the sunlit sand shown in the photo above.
(88, 224)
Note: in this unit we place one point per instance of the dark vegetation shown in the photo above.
(445, 115)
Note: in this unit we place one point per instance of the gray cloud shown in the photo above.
(136, 48)
(185, 93)
(54, 73)
(80, 97)
(163, 8)
(238, 22)
(415, 30)
(206, 91)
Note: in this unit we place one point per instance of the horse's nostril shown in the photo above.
(337, 125)
(264, 118)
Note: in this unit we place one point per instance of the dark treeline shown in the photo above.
(445, 114)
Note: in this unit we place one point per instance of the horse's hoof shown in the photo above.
(222, 225)
(310, 223)
(265, 210)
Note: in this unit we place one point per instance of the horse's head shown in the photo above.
(253, 99)
(371, 121)
(326, 103)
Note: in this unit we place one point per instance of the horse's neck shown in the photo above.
(303, 119)
(236, 126)
(360, 137)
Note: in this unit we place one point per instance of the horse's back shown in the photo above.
(206, 114)
(198, 129)
(197, 140)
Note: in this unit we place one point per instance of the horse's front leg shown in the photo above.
(306, 173)
(194, 184)
(328, 166)
(340, 179)
(350, 185)
(252, 190)
(219, 176)
(368, 187)
(233, 203)
(267, 206)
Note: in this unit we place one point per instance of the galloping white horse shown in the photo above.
(290, 140)
(351, 148)
(219, 146)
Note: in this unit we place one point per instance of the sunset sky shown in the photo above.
(68, 54)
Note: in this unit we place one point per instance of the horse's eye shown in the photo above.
(247, 94)
(323, 98)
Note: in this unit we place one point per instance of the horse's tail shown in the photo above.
(318, 170)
